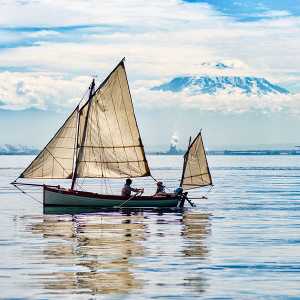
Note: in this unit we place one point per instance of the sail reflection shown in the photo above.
(195, 230)
(92, 253)
(111, 253)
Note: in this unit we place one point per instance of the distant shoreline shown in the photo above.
(238, 152)
(210, 153)
(255, 152)
(19, 153)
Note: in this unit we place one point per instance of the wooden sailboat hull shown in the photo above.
(62, 197)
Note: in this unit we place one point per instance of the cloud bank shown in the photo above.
(220, 102)
(40, 91)
(48, 56)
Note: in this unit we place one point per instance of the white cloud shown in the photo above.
(161, 39)
(220, 102)
(43, 33)
(53, 91)
(117, 12)
(40, 90)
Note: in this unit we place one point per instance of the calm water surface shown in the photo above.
(241, 243)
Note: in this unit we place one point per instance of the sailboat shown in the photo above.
(101, 139)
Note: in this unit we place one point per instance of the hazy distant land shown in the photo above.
(237, 152)
(18, 150)
(174, 151)
(28, 150)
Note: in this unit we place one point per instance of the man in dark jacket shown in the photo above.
(127, 189)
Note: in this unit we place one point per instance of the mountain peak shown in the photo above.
(8, 149)
(217, 65)
(211, 85)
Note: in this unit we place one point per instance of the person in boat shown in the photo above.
(160, 190)
(127, 189)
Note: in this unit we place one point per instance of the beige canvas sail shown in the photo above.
(56, 159)
(110, 146)
(196, 171)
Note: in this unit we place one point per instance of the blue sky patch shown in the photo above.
(26, 36)
(58, 28)
(252, 10)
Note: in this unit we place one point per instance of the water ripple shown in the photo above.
(241, 243)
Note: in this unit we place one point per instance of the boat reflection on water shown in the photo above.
(75, 210)
(111, 253)
(90, 254)
(196, 229)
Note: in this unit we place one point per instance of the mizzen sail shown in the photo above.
(55, 161)
(195, 168)
(109, 142)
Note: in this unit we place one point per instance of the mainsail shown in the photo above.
(195, 168)
(110, 145)
(55, 161)
(99, 140)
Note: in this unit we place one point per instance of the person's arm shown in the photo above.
(137, 190)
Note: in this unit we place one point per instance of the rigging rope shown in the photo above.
(168, 188)
(80, 185)
(83, 96)
(28, 195)
(209, 190)
(205, 195)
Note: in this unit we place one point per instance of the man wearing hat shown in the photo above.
(160, 189)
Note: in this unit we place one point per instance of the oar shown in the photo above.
(184, 197)
(190, 202)
(130, 198)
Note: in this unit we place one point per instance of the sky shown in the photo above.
(50, 51)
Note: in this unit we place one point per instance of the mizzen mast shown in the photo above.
(78, 151)
(195, 171)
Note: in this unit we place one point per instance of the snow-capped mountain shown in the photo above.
(209, 84)
(17, 150)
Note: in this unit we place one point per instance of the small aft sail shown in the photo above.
(110, 145)
(56, 159)
(195, 168)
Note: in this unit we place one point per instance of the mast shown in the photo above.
(77, 149)
(112, 147)
(209, 174)
(79, 152)
(185, 160)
